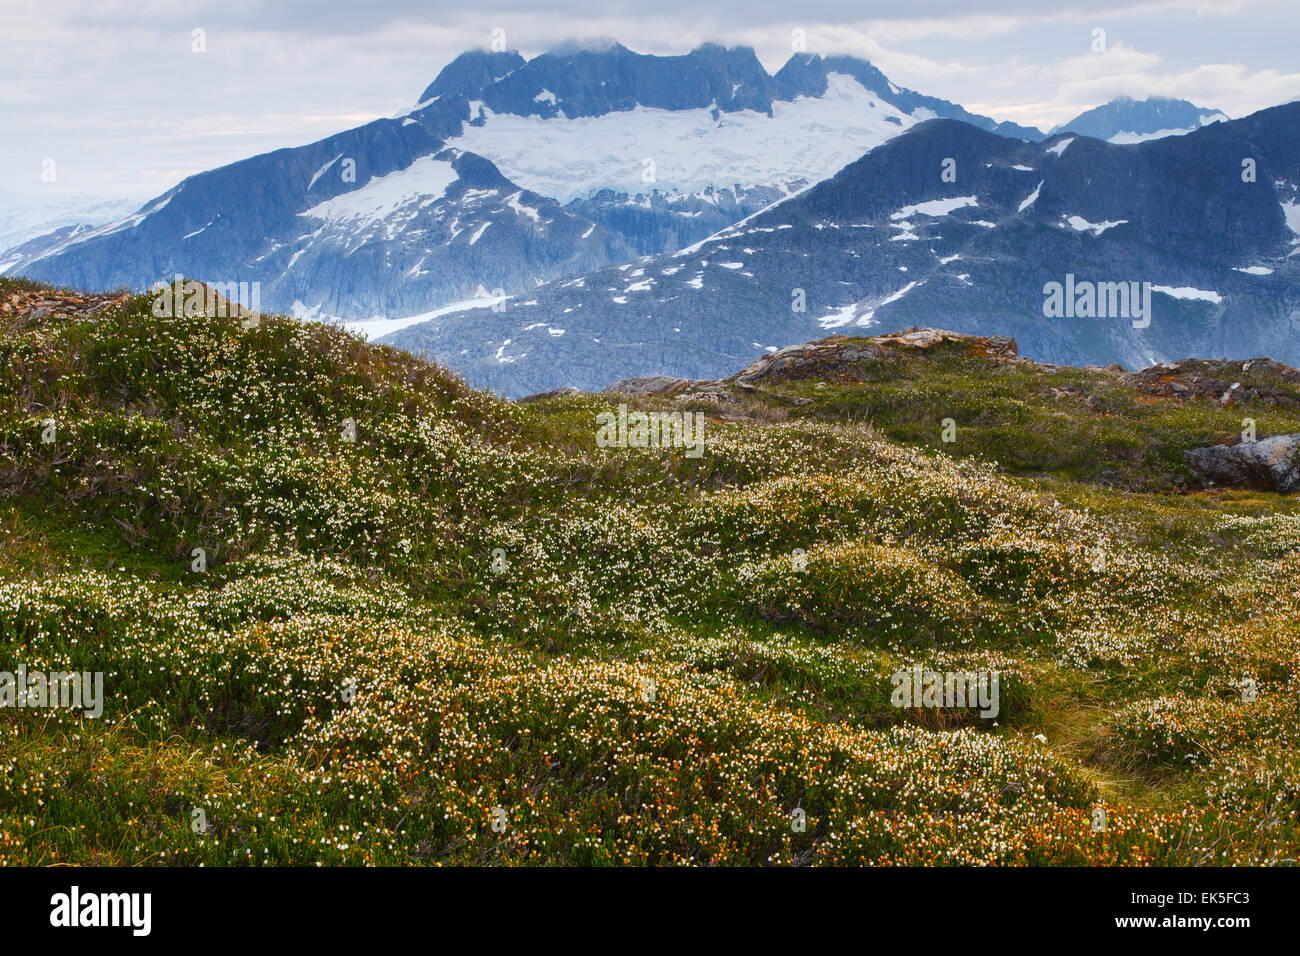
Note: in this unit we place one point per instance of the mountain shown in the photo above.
(810, 75)
(507, 173)
(44, 242)
(27, 214)
(383, 218)
(886, 242)
(1126, 120)
(665, 151)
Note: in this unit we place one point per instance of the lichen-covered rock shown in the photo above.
(840, 351)
(1270, 463)
(652, 385)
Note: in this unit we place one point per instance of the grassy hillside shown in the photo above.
(435, 627)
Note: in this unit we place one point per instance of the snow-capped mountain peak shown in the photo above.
(554, 165)
(1126, 120)
(886, 243)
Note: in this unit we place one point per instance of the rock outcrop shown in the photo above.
(654, 385)
(837, 352)
(1270, 464)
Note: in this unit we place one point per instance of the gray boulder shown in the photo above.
(1270, 464)
(652, 385)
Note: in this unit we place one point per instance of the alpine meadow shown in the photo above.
(714, 454)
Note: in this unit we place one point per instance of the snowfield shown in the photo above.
(1187, 292)
(803, 141)
(936, 207)
(424, 181)
(1079, 224)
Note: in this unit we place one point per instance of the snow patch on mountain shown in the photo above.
(322, 171)
(514, 203)
(935, 207)
(1033, 197)
(378, 325)
(803, 141)
(840, 316)
(1079, 224)
(1125, 137)
(1188, 293)
(868, 317)
(423, 182)
(504, 359)
(1291, 212)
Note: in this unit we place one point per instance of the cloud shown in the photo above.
(112, 88)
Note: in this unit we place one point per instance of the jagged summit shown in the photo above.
(807, 74)
(583, 80)
(471, 72)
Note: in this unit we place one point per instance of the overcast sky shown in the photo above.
(113, 92)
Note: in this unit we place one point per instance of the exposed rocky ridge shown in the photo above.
(1219, 380)
(832, 358)
(1270, 464)
(837, 352)
(35, 304)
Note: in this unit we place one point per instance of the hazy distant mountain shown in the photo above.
(1126, 120)
(26, 214)
(887, 243)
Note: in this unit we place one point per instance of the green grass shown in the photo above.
(1087, 424)
(675, 653)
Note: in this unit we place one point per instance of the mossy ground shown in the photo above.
(665, 659)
